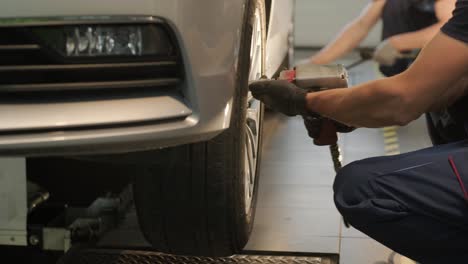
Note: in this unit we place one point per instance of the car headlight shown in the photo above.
(106, 40)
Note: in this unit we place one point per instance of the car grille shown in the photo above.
(27, 66)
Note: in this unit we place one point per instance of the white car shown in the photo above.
(158, 87)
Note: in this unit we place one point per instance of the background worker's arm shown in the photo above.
(353, 33)
(402, 98)
(417, 39)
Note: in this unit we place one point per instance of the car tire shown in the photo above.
(196, 202)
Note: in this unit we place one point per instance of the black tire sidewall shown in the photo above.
(240, 223)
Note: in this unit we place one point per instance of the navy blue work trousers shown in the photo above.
(415, 203)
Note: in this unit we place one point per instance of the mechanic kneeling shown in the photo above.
(415, 203)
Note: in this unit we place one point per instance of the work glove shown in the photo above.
(281, 96)
(386, 54)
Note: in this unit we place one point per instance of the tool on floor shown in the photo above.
(316, 78)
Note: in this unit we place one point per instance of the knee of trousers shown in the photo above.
(356, 198)
(353, 193)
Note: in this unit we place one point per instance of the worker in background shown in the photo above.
(415, 203)
(407, 25)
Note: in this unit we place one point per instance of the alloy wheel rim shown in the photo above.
(252, 125)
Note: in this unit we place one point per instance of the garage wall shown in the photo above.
(317, 21)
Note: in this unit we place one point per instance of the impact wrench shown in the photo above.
(315, 78)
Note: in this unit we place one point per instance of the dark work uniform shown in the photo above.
(414, 203)
(403, 16)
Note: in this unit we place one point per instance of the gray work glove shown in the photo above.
(386, 54)
(280, 95)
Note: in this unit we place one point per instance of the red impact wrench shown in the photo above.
(316, 78)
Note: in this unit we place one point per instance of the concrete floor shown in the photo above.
(295, 210)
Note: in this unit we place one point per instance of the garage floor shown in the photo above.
(295, 210)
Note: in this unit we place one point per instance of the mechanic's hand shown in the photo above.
(280, 95)
(386, 54)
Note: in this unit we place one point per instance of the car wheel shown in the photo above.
(202, 200)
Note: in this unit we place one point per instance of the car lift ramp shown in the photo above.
(109, 256)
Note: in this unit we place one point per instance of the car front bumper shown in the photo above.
(209, 38)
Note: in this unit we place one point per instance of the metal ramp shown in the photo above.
(107, 256)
